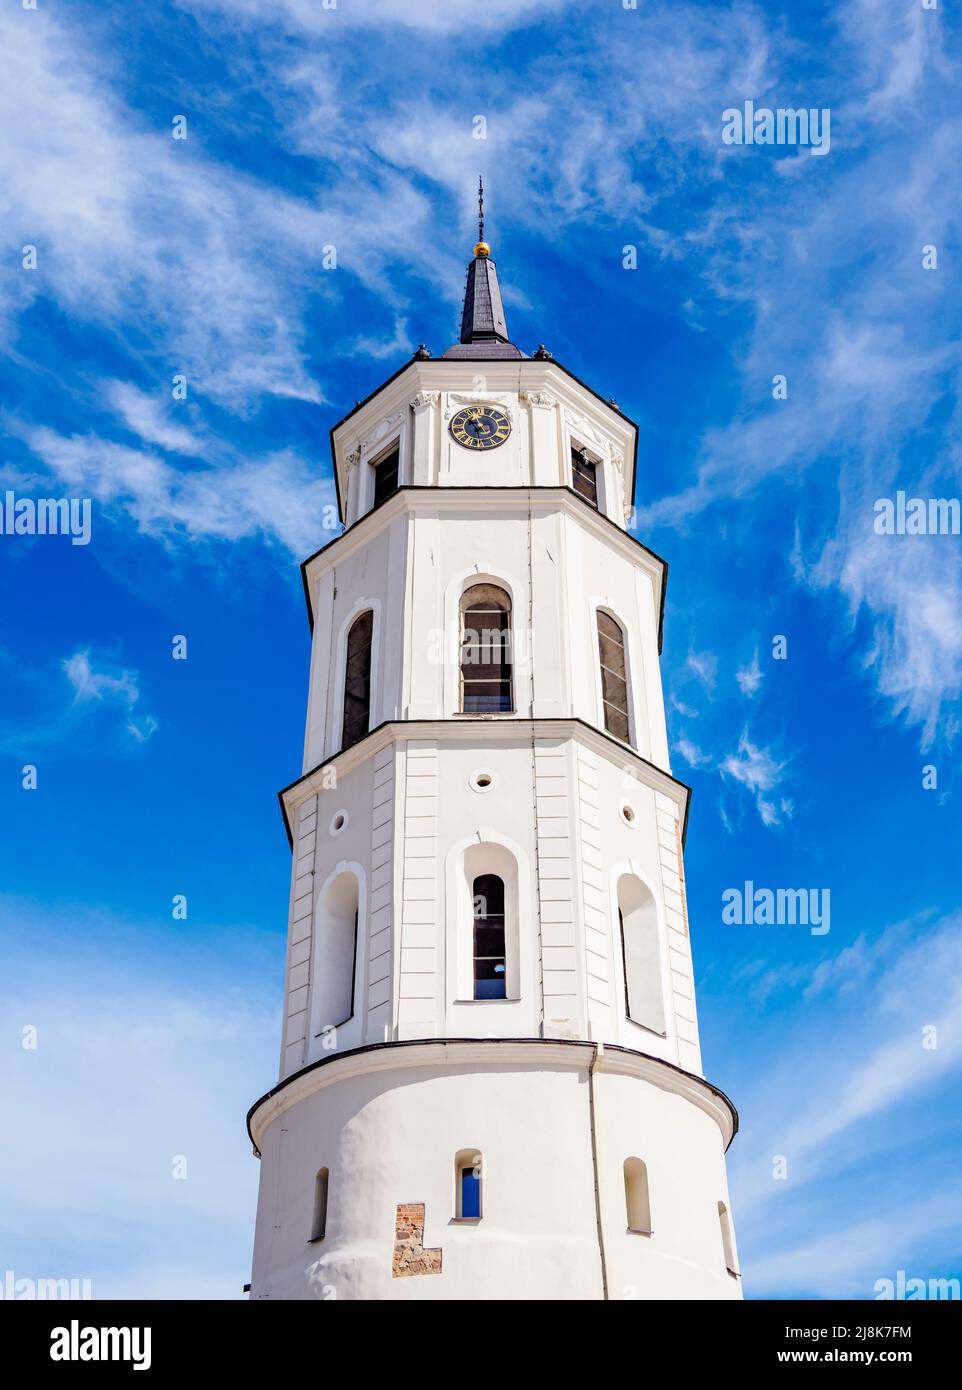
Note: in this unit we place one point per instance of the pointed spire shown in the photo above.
(484, 330)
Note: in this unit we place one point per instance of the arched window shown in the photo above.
(467, 1179)
(641, 954)
(488, 900)
(728, 1240)
(357, 680)
(490, 976)
(486, 650)
(614, 677)
(335, 954)
(319, 1222)
(636, 1196)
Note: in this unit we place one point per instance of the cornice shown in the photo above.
(471, 1052)
(432, 374)
(480, 730)
(409, 497)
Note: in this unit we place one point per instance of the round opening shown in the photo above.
(628, 814)
(338, 822)
(482, 780)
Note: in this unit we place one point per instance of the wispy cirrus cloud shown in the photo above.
(146, 414)
(762, 773)
(875, 1055)
(279, 499)
(133, 1219)
(329, 22)
(102, 687)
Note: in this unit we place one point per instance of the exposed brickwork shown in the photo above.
(410, 1256)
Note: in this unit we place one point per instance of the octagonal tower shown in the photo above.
(490, 1081)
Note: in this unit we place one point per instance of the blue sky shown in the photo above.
(354, 127)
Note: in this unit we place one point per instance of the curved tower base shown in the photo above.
(545, 1129)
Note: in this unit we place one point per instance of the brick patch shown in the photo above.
(410, 1256)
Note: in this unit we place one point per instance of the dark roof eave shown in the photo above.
(468, 722)
(551, 360)
(523, 487)
(580, 1043)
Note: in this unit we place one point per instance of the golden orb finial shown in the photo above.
(482, 249)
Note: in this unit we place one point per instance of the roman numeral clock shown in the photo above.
(480, 427)
(491, 1085)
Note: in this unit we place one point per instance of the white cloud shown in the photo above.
(90, 686)
(137, 1061)
(132, 226)
(846, 1261)
(692, 755)
(147, 416)
(907, 983)
(703, 665)
(454, 16)
(761, 772)
(749, 677)
(278, 498)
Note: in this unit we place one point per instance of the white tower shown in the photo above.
(490, 1082)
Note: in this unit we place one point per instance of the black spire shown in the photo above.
(484, 331)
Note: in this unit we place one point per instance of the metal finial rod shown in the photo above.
(480, 208)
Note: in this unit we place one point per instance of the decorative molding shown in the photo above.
(481, 732)
(424, 398)
(586, 431)
(540, 398)
(381, 430)
(471, 1053)
(457, 399)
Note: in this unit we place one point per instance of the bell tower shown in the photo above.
(490, 1077)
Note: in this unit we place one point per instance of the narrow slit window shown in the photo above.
(728, 1241)
(357, 680)
(468, 1179)
(489, 952)
(486, 651)
(386, 475)
(319, 1223)
(637, 1200)
(614, 676)
(640, 954)
(584, 476)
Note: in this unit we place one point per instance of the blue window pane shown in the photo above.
(489, 989)
(470, 1193)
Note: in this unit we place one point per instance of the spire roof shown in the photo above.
(484, 329)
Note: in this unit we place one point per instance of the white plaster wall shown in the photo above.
(390, 1137)
(558, 808)
(549, 413)
(412, 570)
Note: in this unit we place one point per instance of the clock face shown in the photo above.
(480, 427)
